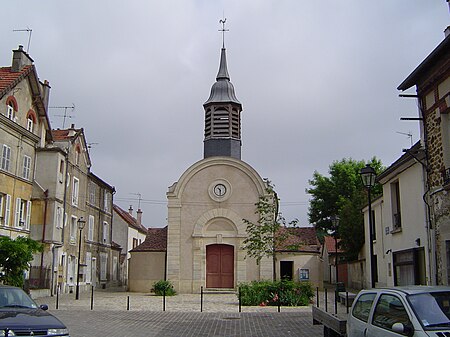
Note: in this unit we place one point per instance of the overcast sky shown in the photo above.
(317, 81)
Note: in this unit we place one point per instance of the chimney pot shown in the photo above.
(139, 217)
(130, 210)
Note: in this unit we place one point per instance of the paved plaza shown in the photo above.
(220, 316)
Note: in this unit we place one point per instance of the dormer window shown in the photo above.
(11, 108)
(31, 120)
(10, 113)
(30, 124)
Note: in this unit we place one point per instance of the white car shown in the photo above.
(415, 311)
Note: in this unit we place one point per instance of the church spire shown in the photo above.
(222, 113)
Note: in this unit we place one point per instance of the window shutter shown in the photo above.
(17, 215)
(28, 219)
(7, 209)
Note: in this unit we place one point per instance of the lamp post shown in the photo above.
(81, 222)
(335, 223)
(368, 176)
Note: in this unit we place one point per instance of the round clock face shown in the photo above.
(220, 190)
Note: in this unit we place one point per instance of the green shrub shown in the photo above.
(286, 293)
(161, 286)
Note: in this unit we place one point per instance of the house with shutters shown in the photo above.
(24, 129)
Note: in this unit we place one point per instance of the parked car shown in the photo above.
(414, 311)
(21, 316)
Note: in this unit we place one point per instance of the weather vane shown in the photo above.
(223, 30)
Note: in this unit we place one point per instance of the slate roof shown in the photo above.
(156, 241)
(128, 218)
(9, 79)
(299, 239)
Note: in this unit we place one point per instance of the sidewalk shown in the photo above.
(108, 301)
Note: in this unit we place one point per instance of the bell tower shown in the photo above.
(222, 114)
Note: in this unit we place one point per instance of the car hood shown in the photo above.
(28, 318)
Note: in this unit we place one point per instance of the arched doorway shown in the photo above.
(219, 266)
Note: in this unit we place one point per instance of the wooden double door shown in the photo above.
(219, 266)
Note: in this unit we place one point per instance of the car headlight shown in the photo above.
(57, 332)
(10, 333)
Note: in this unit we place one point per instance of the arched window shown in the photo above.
(11, 108)
(31, 120)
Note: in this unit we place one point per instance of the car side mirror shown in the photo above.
(44, 307)
(403, 329)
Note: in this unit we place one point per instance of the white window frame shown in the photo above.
(6, 158)
(105, 232)
(92, 193)
(88, 274)
(91, 224)
(7, 210)
(103, 266)
(30, 124)
(10, 112)
(28, 215)
(73, 229)
(114, 268)
(75, 191)
(26, 167)
(2, 197)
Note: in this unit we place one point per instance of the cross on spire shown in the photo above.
(223, 30)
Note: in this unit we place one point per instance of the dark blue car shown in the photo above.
(21, 316)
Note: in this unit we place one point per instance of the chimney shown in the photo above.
(130, 210)
(20, 59)
(45, 93)
(139, 217)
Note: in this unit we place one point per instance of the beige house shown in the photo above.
(432, 82)
(402, 239)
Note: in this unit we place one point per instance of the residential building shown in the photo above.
(432, 81)
(128, 232)
(332, 257)
(24, 128)
(70, 195)
(402, 239)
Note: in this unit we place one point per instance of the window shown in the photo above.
(59, 217)
(92, 193)
(75, 190)
(390, 310)
(362, 307)
(303, 274)
(10, 113)
(105, 232)
(73, 229)
(88, 274)
(6, 158)
(114, 269)
(135, 243)
(23, 214)
(77, 156)
(71, 269)
(106, 200)
(26, 167)
(61, 171)
(91, 224)
(30, 124)
(7, 211)
(395, 202)
(103, 266)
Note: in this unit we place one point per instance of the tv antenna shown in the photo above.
(65, 112)
(409, 134)
(139, 199)
(29, 30)
(90, 145)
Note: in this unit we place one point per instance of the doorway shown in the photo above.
(287, 270)
(219, 266)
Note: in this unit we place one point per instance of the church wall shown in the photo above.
(145, 268)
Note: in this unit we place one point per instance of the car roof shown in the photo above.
(411, 290)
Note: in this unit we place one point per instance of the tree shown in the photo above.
(264, 236)
(15, 256)
(342, 194)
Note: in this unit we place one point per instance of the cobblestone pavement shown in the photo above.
(146, 318)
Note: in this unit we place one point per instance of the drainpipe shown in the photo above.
(65, 194)
(43, 236)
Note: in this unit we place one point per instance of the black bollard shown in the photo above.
(128, 302)
(240, 300)
(201, 299)
(346, 300)
(57, 298)
(164, 299)
(317, 296)
(326, 300)
(92, 297)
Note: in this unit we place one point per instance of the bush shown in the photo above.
(286, 293)
(161, 286)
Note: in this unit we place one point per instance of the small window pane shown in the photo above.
(390, 310)
(362, 307)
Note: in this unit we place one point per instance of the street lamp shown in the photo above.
(368, 176)
(335, 223)
(81, 222)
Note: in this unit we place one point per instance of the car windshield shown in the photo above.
(432, 309)
(15, 298)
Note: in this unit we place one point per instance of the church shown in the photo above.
(202, 245)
